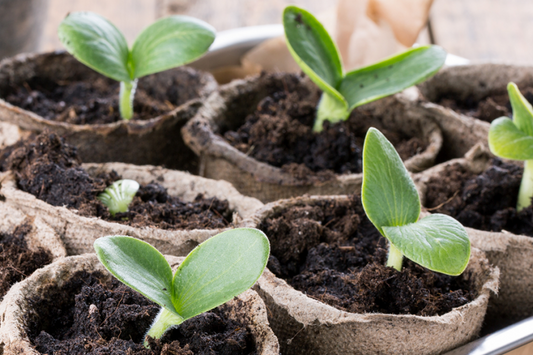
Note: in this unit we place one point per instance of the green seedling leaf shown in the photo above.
(313, 49)
(97, 43)
(213, 273)
(316, 54)
(388, 194)
(119, 195)
(219, 269)
(522, 110)
(138, 265)
(170, 42)
(437, 242)
(391, 75)
(507, 141)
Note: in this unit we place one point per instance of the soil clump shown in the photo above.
(88, 316)
(48, 168)
(331, 251)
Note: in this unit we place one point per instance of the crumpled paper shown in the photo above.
(365, 31)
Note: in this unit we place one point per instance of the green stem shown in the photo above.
(127, 92)
(526, 187)
(163, 321)
(330, 109)
(395, 257)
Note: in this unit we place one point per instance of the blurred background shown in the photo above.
(479, 30)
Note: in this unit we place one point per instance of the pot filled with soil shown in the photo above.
(329, 291)
(54, 91)
(257, 134)
(75, 306)
(172, 210)
(481, 192)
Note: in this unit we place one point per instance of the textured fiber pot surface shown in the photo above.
(79, 233)
(512, 254)
(228, 108)
(154, 141)
(19, 316)
(305, 325)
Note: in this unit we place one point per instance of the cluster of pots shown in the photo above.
(189, 137)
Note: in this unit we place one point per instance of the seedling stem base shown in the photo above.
(163, 321)
(395, 258)
(330, 109)
(127, 92)
(526, 187)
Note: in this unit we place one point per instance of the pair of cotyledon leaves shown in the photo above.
(213, 273)
(513, 139)
(317, 55)
(391, 202)
(167, 43)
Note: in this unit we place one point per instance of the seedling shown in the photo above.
(513, 139)
(318, 57)
(390, 200)
(165, 44)
(213, 273)
(119, 195)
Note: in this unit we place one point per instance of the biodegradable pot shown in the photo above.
(471, 84)
(18, 315)
(512, 254)
(155, 141)
(79, 233)
(228, 108)
(305, 325)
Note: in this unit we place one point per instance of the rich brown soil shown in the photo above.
(486, 201)
(87, 316)
(488, 109)
(17, 261)
(96, 101)
(279, 132)
(332, 252)
(49, 169)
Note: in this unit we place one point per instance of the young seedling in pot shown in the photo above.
(390, 200)
(513, 139)
(318, 57)
(213, 273)
(165, 44)
(119, 195)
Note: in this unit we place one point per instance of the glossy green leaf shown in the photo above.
(170, 42)
(313, 49)
(508, 141)
(391, 75)
(219, 269)
(522, 110)
(138, 265)
(388, 194)
(437, 242)
(119, 195)
(97, 43)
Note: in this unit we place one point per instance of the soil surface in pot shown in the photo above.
(331, 251)
(17, 261)
(96, 101)
(279, 132)
(486, 201)
(488, 109)
(49, 169)
(88, 316)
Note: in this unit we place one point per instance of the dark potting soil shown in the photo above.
(50, 170)
(486, 201)
(279, 132)
(17, 261)
(87, 316)
(96, 101)
(332, 252)
(488, 109)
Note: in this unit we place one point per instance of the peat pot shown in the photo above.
(56, 92)
(32, 306)
(308, 323)
(481, 193)
(226, 110)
